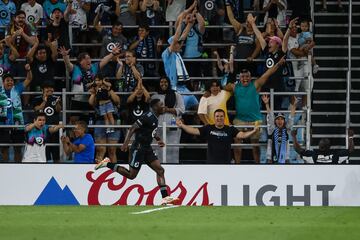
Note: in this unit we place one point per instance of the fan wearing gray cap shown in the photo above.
(278, 129)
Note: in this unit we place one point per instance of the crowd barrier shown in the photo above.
(195, 185)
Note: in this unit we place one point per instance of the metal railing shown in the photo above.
(65, 96)
(348, 77)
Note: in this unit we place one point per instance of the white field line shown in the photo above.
(154, 210)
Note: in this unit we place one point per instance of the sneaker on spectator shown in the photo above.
(316, 69)
(109, 130)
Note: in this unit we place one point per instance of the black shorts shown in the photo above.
(140, 156)
(12, 135)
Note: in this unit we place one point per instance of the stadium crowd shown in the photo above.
(112, 46)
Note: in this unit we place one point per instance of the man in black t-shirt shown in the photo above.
(324, 155)
(48, 103)
(219, 137)
(58, 29)
(145, 129)
(51, 106)
(42, 64)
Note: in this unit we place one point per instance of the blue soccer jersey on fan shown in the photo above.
(37, 136)
(7, 10)
(35, 145)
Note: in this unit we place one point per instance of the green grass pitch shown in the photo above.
(185, 223)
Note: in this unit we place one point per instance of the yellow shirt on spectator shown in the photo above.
(209, 105)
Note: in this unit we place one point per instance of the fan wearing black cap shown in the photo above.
(278, 129)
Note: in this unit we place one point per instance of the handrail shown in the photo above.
(312, 11)
(184, 59)
(308, 104)
(69, 126)
(348, 79)
(151, 26)
(164, 125)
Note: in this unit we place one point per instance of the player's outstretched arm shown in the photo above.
(297, 146)
(243, 135)
(158, 140)
(131, 131)
(188, 129)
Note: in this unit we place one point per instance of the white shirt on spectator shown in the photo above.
(79, 18)
(208, 106)
(300, 68)
(292, 43)
(174, 9)
(281, 17)
(33, 14)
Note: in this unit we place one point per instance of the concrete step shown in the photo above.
(336, 62)
(331, 96)
(335, 17)
(323, 73)
(326, 106)
(328, 119)
(336, 39)
(335, 50)
(334, 141)
(334, 102)
(324, 84)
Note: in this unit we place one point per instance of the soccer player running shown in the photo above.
(141, 151)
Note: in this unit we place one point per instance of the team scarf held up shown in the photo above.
(148, 43)
(280, 148)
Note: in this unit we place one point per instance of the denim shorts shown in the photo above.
(100, 133)
(106, 108)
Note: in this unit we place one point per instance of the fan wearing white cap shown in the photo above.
(278, 129)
